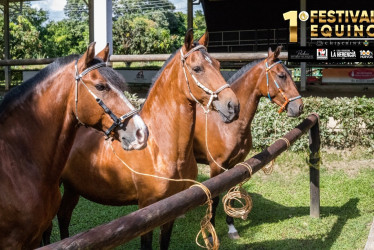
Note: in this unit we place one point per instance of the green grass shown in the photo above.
(280, 215)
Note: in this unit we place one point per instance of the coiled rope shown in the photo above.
(238, 194)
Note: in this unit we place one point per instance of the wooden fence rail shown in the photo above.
(151, 57)
(126, 228)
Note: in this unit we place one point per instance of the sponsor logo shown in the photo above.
(343, 54)
(322, 54)
(366, 54)
(303, 16)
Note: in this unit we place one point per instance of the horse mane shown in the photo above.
(112, 76)
(17, 92)
(242, 71)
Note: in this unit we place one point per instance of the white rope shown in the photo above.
(206, 143)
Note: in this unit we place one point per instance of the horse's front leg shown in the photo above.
(146, 241)
(46, 240)
(69, 201)
(165, 235)
(233, 233)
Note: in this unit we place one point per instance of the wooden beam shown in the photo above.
(189, 14)
(91, 19)
(6, 45)
(229, 57)
(219, 56)
(126, 228)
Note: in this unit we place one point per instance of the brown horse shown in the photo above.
(229, 144)
(94, 172)
(38, 123)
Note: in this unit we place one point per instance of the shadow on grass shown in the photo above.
(267, 211)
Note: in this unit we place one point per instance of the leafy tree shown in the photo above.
(142, 36)
(177, 23)
(142, 26)
(25, 28)
(66, 37)
(24, 39)
(199, 24)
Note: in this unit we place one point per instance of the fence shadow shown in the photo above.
(267, 211)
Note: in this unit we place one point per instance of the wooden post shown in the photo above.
(189, 14)
(6, 44)
(314, 163)
(91, 20)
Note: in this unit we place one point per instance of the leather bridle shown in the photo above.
(287, 100)
(117, 121)
(213, 94)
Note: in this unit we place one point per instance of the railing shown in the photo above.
(124, 229)
(247, 40)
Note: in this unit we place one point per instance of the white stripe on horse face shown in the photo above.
(138, 121)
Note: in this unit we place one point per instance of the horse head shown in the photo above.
(100, 102)
(278, 86)
(205, 83)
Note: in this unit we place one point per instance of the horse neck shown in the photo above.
(43, 113)
(169, 115)
(247, 90)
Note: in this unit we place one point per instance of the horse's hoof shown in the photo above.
(234, 236)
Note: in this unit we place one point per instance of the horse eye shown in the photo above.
(197, 69)
(100, 87)
(282, 75)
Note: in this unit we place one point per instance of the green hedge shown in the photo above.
(354, 117)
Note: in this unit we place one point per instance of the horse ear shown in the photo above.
(277, 52)
(104, 54)
(87, 57)
(270, 52)
(188, 39)
(204, 40)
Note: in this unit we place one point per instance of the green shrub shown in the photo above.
(354, 118)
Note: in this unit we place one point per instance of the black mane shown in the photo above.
(17, 92)
(242, 71)
(247, 67)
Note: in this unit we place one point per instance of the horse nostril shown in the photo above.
(301, 107)
(140, 136)
(231, 107)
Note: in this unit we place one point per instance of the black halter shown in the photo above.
(116, 121)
